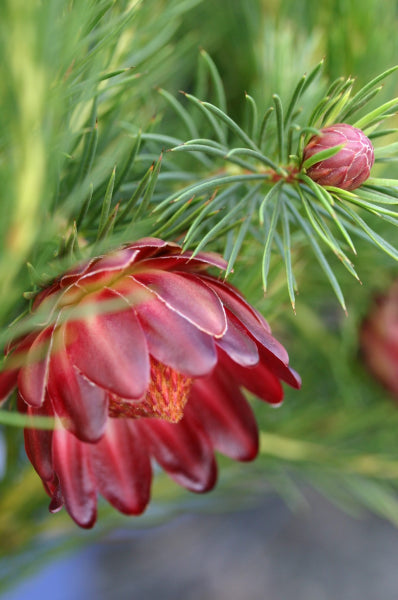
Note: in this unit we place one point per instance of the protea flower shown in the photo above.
(379, 340)
(347, 169)
(142, 357)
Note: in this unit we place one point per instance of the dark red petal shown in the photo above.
(234, 300)
(121, 467)
(57, 499)
(278, 368)
(110, 347)
(218, 404)
(38, 442)
(238, 344)
(189, 297)
(259, 380)
(248, 317)
(72, 465)
(83, 404)
(175, 342)
(184, 451)
(33, 376)
(8, 382)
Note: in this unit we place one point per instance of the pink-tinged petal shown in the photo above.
(184, 451)
(148, 247)
(75, 273)
(175, 342)
(119, 260)
(33, 376)
(153, 243)
(83, 404)
(210, 258)
(72, 465)
(45, 294)
(122, 468)
(238, 344)
(8, 382)
(17, 349)
(189, 297)
(185, 262)
(91, 282)
(38, 442)
(110, 347)
(259, 380)
(222, 410)
(71, 295)
(107, 269)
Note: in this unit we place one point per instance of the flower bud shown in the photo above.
(379, 340)
(347, 169)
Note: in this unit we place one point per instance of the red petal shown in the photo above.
(278, 368)
(122, 467)
(72, 466)
(184, 451)
(218, 404)
(248, 317)
(259, 380)
(189, 297)
(235, 302)
(238, 344)
(33, 376)
(84, 404)
(38, 442)
(110, 347)
(173, 341)
(8, 382)
(272, 353)
(57, 499)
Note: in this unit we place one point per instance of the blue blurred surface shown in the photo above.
(266, 553)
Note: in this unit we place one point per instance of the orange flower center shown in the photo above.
(165, 399)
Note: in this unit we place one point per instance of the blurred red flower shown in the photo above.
(142, 357)
(379, 339)
(347, 169)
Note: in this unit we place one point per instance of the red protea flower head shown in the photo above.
(347, 169)
(379, 339)
(142, 357)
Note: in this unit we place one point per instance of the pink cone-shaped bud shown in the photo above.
(347, 169)
(379, 340)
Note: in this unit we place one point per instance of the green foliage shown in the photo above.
(243, 158)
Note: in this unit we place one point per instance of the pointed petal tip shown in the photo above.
(295, 380)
